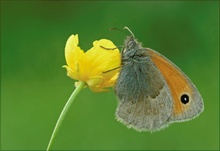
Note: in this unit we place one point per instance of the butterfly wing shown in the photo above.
(186, 99)
(145, 101)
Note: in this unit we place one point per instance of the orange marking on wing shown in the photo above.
(175, 79)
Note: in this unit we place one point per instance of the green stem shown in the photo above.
(63, 113)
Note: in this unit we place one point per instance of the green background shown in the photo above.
(34, 87)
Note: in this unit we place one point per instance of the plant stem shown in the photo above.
(63, 113)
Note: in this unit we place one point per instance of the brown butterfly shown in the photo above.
(152, 91)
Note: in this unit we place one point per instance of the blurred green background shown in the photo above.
(34, 87)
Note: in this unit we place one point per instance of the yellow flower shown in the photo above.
(91, 66)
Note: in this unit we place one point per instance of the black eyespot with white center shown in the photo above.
(184, 99)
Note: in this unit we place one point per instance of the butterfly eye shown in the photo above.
(184, 99)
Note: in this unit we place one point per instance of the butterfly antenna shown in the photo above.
(114, 28)
(129, 31)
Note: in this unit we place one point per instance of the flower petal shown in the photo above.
(73, 53)
(99, 59)
(71, 73)
(93, 81)
(94, 84)
(111, 82)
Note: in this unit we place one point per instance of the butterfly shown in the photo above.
(152, 91)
